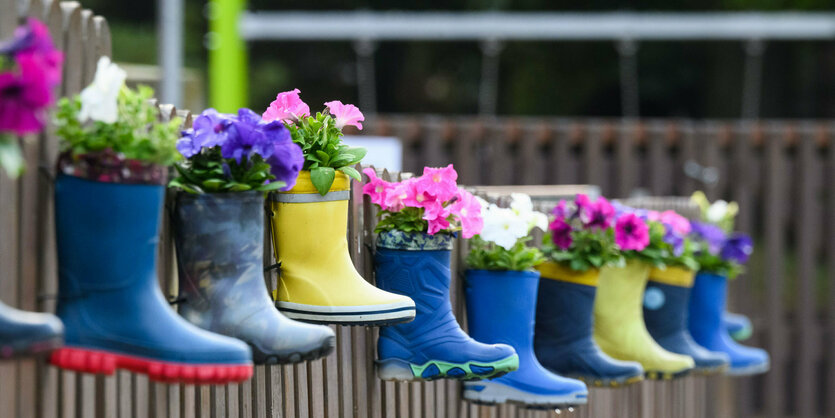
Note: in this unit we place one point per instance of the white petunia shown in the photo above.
(521, 203)
(99, 99)
(503, 227)
(717, 211)
(539, 220)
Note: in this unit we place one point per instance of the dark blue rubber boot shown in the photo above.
(563, 338)
(707, 303)
(432, 346)
(738, 325)
(501, 308)
(109, 299)
(665, 314)
(28, 333)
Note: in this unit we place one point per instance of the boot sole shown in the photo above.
(389, 314)
(103, 362)
(399, 370)
(260, 357)
(608, 383)
(494, 393)
(710, 371)
(749, 370)
(30, 348)
(657, 375)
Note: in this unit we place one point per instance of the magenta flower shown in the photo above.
(679, 224)
(561, 210)
(561, 233)
(397, 195)
(597, 214)
(439, 182)
(287, 107)
(33, 39)
(467, 210)
(24, 96)
(436, 225)
(631, 233)
(345, 114)
(376, 188)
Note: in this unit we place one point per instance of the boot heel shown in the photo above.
(394, 370)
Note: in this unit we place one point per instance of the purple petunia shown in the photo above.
(710, 234)
(738, 247)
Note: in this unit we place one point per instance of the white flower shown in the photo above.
(717, 211)
(522, 205)
(503, 227)
(99, 99)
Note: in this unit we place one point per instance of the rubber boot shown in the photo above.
(28, 333)
(737, 325)
(433, 346)
(665, 312)
(563, 341)
(220, 256)
(114, 312)
(318, 280)
(707, 303)
(619, 324)
(501, 307)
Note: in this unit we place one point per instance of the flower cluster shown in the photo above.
(667, 233)
(720, 212)
(431, 203)
(238, 152)
(319, 136)
(501, 245)
(30, 69)
(587, 234)
(720, 252)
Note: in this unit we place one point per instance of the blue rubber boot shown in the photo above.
(665, 314)
(707, 303)
(109, 299)
(28, 333)
(500, 309)
(432, 346)
(738, 325)
(563, 340)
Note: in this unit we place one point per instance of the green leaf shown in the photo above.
(322, 178)
(351, 172)
(275, 185)
(11, 158)
(356, 153)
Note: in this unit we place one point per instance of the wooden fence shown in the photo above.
(780, 172)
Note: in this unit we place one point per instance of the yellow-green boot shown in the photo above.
(318, 280)
(619, 327)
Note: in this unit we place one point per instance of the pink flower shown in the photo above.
(678, 223)
(397, 195)
(439, 182)
(24, 96)
(345, 114)
(561, 233)
(376, 187)
(287, 107)
(436, 225)
(631, 233)
(653, 216)
(467, 210)
(597, 214)
(561, 210)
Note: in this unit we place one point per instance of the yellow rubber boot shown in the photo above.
(318, 280)
(619, 327)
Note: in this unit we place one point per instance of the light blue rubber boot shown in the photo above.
(738, 325)
(707, 303)
(501, 308)
(432, 346)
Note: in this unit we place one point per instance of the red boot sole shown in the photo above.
(103, 362)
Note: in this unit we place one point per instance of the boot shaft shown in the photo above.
(620, 293)
(563, 312)
(707, 302)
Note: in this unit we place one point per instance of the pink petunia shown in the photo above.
(653, 216)
(439, 182)
(24, 96)
(561, 210)
(467, 210)
(631, 233)
(287, 107)
(561, 233)
(345, 114)
(397, 195)
(597, 214)
(678, 223)
(376, 188)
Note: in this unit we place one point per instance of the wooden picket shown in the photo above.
(780, 171)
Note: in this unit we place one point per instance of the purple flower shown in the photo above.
(33, 39)
(738, 247)
(249, 138)
(211, 128)
(24, 96)
(675, 240)
(710, 234)
(631, 233)
(561, 233)
(186, 145)
(286, 159)
(597, 214)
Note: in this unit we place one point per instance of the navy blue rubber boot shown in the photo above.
(738, 325)
(665, 314)
(563, 338)
(109, 299)
(28, 333)
(432, 346)
(707, 303)
(501, 309)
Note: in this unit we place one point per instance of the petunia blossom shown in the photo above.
(345, 114)
(597, 214)
(738, 247)
(24, 96)
(99, 99)
(467, 210)
(287, 107)
(503, 227)
(631, 233)
(375, 188)
(712, 235)
(438, 182)
(561, 233)
(678, 223)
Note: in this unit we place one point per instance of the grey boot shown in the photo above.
(220, 248)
